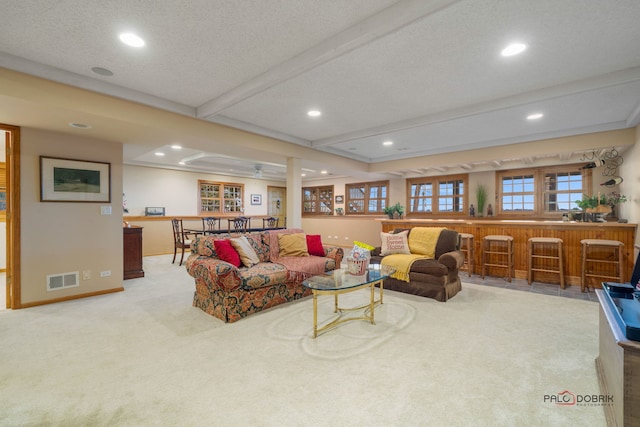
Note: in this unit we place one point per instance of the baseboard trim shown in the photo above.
(70, 298)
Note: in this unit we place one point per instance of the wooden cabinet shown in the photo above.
(570, 232)
(618, 367)
(132, 252)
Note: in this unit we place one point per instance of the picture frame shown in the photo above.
(256, 199)
(72, 180)
(339, 199)
(153, 211)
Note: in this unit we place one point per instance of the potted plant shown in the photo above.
(481, 196)
(394, 211)
(389, 210)
(593, 207)
(587, 202)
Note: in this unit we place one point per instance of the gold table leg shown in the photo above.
(370, 307)
(372, 303)
(315, 314)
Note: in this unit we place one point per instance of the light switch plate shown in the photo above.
(105, 210)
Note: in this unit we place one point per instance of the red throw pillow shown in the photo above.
(314, 245)
(226, 252)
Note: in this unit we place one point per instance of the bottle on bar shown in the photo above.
(613, 181)
(594, 164)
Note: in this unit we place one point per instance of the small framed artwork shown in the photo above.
(68, 180)
(256, 199)
(153, 211)
(339, 199)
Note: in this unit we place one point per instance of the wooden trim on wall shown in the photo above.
(72, 297)
(12, 152)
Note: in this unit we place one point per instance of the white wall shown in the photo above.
(61, 237)
(177, 191)
(630, 173)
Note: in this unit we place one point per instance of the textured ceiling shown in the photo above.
(426, 74)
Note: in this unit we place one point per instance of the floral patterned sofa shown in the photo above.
(231, 293)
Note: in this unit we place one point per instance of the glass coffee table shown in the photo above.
(341, 282)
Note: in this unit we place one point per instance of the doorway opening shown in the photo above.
(277, 203)
(10, 201)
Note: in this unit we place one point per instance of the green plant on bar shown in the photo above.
(481, 196)
(391, 210)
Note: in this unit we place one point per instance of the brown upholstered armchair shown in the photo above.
(432, 278)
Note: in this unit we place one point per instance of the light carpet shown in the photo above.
(147, 357)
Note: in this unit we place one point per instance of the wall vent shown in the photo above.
(62, 281)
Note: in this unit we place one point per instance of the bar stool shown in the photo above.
(557, 255)
(468, 248)
(505, 243)
(613, 252)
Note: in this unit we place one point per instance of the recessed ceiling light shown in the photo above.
(535, 116)
(387, 143)
(131, 39)
(314, 113)
(513, 49)
(102, 71)
(159, 153)
(181, 163)
(176, 147)
(304, 174)
(323, 172)
(79, 125)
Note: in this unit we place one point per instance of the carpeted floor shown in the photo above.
(147, 357)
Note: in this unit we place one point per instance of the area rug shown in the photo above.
(145, 356)
(348, 339)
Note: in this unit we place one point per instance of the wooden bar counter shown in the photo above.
(521, 230)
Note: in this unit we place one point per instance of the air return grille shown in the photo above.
(62, 281)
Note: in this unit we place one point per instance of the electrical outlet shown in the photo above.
(105, 273)
(86, 274)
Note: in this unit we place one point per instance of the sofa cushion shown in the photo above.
(423, 240)
(293, 245)
(429, 266)
(302, 267)
(262, 274)
(226, 252)
(259, 241)
(247, 253)
(394, 243)
(449, 241)
(204, 246)
(314, 245)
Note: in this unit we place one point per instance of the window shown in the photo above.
(317, 200)
(561, 190)
(541, 192)
(367, 198)
(220, 197)
(443, 195)
(518, 193)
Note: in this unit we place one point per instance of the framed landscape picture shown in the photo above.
(68, 180)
